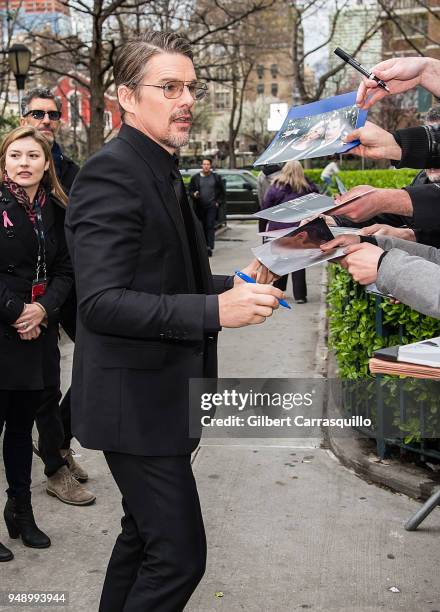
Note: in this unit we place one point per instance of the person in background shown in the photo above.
(208, 193)
(264, 181)
(329, 171)
(291, 183)
(41, 109)
(35, 280)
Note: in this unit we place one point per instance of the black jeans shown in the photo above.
(17, 412)
(207, 216)
(159, 557)
(298, 283)
(54, 428)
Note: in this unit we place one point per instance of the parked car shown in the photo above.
(241, 189)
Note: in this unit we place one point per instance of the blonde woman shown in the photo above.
(35, 279)
(290, 183)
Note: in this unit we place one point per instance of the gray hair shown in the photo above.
(131, 62)
(433, 115)
(38, 92)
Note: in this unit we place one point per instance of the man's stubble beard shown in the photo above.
(175, 141)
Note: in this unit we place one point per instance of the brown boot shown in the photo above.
(65, 486)
(75, 469)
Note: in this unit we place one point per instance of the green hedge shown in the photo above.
(353, 336)
(377, 178)
(352, 324)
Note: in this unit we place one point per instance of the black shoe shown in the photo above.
(5, 553)
(301, 301)
(20, 521)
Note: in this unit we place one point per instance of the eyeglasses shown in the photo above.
(174, 89)
(40, 114)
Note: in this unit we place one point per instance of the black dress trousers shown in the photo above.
(160, 555)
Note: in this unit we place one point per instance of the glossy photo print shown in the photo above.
(298, 249)
(315, 130)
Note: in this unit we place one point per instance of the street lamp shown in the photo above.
(19, 59)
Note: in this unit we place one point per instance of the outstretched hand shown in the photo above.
(375, 143)
(399, 73)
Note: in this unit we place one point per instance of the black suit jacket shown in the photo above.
(30, 364)
(142, 330)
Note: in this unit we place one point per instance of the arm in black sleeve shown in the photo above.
(104, 225)
(429, 237)
(220, 189)
(193, 185)
(11, 306)
(420, 147)
(385, 218)
(425, 201)
(222, 283)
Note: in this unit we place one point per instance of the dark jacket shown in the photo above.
(420, 147)
(142, 330)
(67, 170)
(220, 190)
(277, 194)
(30, 364)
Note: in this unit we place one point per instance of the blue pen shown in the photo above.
(249, 279)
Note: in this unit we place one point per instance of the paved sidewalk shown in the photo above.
(288, 527)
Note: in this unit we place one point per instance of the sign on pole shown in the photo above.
(278, 113)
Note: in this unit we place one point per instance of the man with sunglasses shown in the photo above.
(42, 110)
(149, 314)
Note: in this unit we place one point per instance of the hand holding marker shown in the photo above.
(352, 62)
(249, 279)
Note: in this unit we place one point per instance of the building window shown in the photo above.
(222, 74)
(260, 88)
(75, 110)
(108, 123)
(274, 89)
(274, 71)
(222, 100)
(260, 71)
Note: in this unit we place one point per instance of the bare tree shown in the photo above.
(104, 24)
(8, 28)
(307, 90)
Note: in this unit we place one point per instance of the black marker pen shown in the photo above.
(350, 60)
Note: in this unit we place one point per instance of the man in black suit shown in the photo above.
(149, 313)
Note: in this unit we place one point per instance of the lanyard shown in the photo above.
(39, 230)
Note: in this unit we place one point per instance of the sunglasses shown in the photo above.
(174, 89)
(40, 114)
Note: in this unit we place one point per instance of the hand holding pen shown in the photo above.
(399, 74)
(249, 279)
